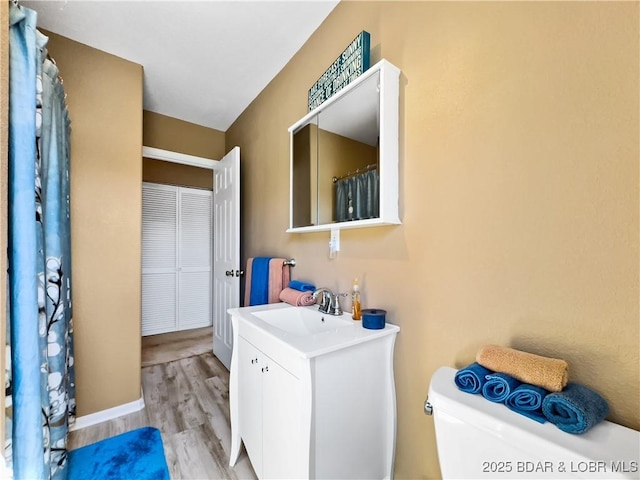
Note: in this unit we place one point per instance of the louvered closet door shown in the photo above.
(176, 258)
(194, 269)
(159, 259)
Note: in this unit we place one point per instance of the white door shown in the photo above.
(282, 439)
(226, 252)
(250, 372)
(159, 258)
(194, 258)
(176, 258)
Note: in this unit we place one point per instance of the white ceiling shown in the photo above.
(204, 61)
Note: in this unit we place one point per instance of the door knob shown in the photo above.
(229, 273)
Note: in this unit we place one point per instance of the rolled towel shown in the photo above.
(296, 297)
(498, 386)
(301, 286)
(527, 400)
(576, 409)
(471, 378)
(549, 373)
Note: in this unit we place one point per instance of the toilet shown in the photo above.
(479, 439)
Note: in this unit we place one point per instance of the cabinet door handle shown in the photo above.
(239, 273)
(265, 369)
(229, 273)
(254, 360)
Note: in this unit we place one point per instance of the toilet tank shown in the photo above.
(479, 439)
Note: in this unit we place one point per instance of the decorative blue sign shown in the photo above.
(351, 63)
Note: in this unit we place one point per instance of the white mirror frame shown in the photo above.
(388, 168)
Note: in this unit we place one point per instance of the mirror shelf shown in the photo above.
(344, 157)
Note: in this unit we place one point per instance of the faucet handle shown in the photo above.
(336, 309)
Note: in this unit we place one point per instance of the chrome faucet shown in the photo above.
(330, 302)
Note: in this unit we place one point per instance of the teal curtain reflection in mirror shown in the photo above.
(357, 197)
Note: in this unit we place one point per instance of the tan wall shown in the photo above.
(167, 133)
(177, 135)
(104, 95)
(339, 156)
(519, 191)
(158, 171)
(4, 152)
(304, 161)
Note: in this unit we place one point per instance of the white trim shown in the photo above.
(108, 414)
(389, 89)
(380, 66)
(5, 472)
(176, 157)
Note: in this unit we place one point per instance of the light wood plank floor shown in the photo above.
(168, 347)
(188, 401)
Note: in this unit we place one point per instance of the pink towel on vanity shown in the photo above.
(278, 278)
(296, 297)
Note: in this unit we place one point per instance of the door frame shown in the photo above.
(193, 161)
(182, 158)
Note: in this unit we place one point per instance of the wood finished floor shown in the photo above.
(168, 347)
(188, 401)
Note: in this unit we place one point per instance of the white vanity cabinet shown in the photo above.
(312, 406)
(270, 417)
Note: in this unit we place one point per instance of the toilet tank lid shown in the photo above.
(606, 441)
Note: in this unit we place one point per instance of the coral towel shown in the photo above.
(296, 297)
(549, 373)
(278, 278)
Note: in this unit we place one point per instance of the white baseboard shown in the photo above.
(108, 414)
(5, 472)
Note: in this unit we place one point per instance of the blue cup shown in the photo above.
(373, 318)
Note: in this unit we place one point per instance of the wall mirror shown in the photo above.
(344, 157)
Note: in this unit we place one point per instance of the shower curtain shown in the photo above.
(40, 378)
(358, 197)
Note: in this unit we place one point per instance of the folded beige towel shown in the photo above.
(549, 373)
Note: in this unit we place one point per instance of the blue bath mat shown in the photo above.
(137, 454)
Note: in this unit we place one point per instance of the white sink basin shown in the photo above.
(278, 329)
(301, 321)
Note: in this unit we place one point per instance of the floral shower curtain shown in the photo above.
(358, 197)
(40, 377)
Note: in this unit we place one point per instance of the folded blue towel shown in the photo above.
(259, 281)
(471, 378)
(527, 400)
(301, 286)
(498, 386)
(575, 409)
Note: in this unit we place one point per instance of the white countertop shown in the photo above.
(308, 346)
